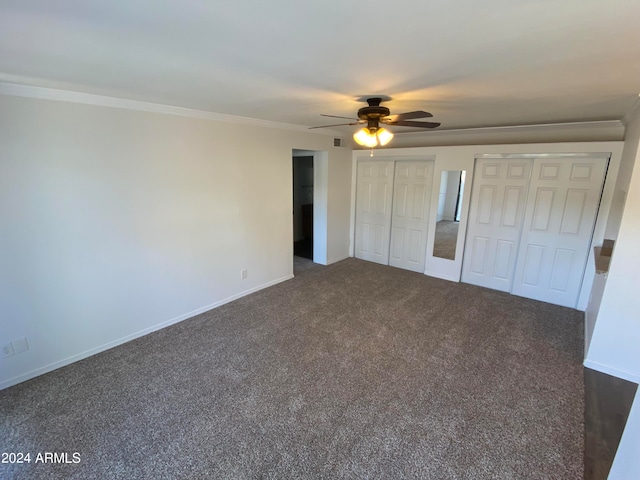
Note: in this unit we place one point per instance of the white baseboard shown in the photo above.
(336, 260)
(609, 370)
(442, 277)
(92, 351)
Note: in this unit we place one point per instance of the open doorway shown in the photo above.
(303, 185)
(310, 189)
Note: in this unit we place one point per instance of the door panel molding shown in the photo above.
(412, 194)
(496, 215)
(373, 211)
(561, 220)
(392, 212)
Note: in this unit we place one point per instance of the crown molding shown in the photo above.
(44, 93)
(541, 127)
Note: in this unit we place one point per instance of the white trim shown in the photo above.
(442, 276)
(28, 91)
(556, 148)
(320, 206)
(336, 260)
(606, 155)
(401, 158)
(609, 370)
(74, 358)
(533, 128)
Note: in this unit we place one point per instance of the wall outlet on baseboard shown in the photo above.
(243, 274)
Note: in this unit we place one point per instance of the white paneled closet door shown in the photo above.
(410, 214)
(374, 187)
(564, 196)
(498, 199)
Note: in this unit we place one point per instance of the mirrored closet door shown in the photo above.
(449, 210)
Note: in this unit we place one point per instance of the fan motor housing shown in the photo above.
(368, 113)
(373, 113)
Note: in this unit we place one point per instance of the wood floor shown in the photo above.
(607, 403)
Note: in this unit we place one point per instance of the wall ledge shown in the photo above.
(609, 370)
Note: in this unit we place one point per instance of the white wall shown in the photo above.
(621, 186)
(615, 343)
(338, 203)
(118, 222)
(623, 180)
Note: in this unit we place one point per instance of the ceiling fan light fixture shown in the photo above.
(367, 138)
(384, 136)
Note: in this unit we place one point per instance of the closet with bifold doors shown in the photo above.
(393, 199)
(531, 222)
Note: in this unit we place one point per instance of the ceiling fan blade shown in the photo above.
(337, 116)
(408, 123)
(407, 116)
(336, 125)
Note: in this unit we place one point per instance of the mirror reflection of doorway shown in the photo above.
(303, 206)
(449, 208)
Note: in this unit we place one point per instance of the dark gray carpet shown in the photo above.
(301, 264)
(354, 370)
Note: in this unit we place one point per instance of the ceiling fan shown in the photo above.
(373, 115)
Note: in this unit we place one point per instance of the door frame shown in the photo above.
(320, 201)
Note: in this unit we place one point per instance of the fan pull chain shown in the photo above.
(371, 154)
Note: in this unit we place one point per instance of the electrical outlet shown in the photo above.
(243, 274)
(20, 345)
(7, 350)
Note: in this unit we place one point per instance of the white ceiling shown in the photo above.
(471, 63)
